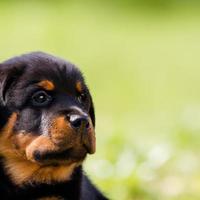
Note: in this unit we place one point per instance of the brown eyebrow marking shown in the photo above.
(47, 85)
(79, 86)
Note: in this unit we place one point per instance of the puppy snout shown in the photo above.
(79, 121)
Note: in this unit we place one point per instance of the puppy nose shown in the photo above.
(79, 121)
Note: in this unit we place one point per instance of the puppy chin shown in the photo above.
(65, 157)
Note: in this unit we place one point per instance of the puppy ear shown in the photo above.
(92, 112)
(8, 75)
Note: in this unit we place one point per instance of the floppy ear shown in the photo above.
(8, 75)
(92, 112)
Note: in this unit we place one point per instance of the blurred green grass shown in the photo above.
(143, 68)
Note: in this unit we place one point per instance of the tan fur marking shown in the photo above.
(21, 141)
(47, 85)
(42, 144)
(56, 173)
(89, 139)
(22, 171)
(6, 145)
(61, 132)
(79, 86)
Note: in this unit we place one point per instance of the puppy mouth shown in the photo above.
(59, 157)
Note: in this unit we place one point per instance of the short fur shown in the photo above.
(41, 151)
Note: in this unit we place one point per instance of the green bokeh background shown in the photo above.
(141, 60)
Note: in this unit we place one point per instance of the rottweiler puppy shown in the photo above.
(47, 125)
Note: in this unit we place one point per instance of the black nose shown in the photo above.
(79, 121)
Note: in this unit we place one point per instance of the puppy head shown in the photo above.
(47, 117)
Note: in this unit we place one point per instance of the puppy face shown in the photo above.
(47, 118)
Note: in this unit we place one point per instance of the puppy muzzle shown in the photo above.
(70, 138)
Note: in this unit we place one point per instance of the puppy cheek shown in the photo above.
(20, 141)
(14, 144)
(6, 146)
(41, 144)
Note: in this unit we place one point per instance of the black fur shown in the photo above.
(17, 78)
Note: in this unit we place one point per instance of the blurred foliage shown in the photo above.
(141, 61)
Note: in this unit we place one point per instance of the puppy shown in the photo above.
(47, 125)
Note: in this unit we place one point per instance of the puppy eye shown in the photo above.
(82, 98)
(41, 98)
